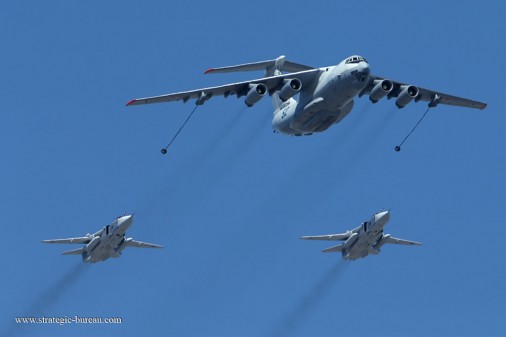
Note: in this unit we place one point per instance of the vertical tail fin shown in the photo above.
(271, 67)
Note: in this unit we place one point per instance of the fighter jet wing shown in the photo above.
(139, 244)
(331, 237)
(397, 241)
(272, 83)
(84, 239)
(427, 95)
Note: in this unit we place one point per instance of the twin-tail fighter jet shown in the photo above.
(326, 95)
(366, 239)
(107, 242)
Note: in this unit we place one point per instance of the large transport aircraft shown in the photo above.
(325, 95)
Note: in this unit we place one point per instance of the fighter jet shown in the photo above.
(107, 242)
(325, 95)
(366, 239)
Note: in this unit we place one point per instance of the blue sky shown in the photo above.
(231, 198)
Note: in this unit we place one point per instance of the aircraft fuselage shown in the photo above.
(109, 243)
(368, 240)
(323, 103)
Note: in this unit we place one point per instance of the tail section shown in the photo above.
(334, 249)
(77, 251)
(271, 67)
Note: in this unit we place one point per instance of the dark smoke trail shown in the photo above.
(188, 170)
(300, 313)
(46, 299)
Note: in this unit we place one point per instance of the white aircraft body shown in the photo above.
(326, 95)
(366, 239)
(107, 242)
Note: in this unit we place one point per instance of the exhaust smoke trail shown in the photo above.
(203, 156)
(308, 303)
(45, 300)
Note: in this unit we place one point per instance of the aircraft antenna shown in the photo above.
(164, 150)
(398, 147)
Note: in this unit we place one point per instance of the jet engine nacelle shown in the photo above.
(380, 89)
(123, 244)
(408, 93)
(350, 241)
(255, 93)
(290, 88)
(381, 242)
(93, 243)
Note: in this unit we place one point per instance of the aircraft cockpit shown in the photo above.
(355, 59)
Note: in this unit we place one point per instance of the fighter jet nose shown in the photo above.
(126, 217)
(125, 221)
(383, 216)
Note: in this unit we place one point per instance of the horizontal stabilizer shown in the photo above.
(77, 251)
(280, 63)
(334, 249)
(397, 241)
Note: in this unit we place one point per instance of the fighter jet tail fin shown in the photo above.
(334, 249)
(77, 251)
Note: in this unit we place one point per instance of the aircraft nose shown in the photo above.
(363, 67)
(126, 221)
(383, 216)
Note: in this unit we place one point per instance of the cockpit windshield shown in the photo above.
(355, 59)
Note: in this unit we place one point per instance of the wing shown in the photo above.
(84, 239)
(397, 241)
(272, 83)
(140, 244)
(426, 95)
(331, 237)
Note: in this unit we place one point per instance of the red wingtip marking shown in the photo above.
(131, 102)
(208, 70)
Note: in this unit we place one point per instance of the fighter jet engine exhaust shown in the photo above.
(51, 295)
(46, 299)
(309, 301)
